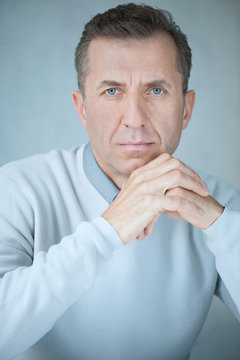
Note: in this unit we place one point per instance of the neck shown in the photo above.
(117, 178)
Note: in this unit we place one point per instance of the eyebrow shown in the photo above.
(158, 82)
(109, 83)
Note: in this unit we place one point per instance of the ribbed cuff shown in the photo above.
(110, 239)
(224, 234)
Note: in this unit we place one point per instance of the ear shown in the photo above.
(188, 107)
(80, 106)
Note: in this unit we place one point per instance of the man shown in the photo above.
(75, 282)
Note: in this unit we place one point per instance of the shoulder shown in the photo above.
(41, 168)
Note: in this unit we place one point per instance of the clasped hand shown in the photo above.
(164, 185)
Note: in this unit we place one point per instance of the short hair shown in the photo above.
(132, 21)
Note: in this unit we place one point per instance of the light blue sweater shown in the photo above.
(71, 290)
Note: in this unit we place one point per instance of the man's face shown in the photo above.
(134, 108)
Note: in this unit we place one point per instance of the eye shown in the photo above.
(156, 91)
(111, 91)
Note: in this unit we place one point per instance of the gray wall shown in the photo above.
(37, 42)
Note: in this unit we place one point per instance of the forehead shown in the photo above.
(117, 58)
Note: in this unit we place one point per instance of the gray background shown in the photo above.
(37, 76)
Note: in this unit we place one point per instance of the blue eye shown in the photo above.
(157, 91)
(111, 91)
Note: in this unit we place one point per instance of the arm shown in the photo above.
(36, 290)
(166, 185)
(223, 239)
(221, 227)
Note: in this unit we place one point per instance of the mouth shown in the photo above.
(136, 146)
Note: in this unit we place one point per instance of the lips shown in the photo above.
(140, 145)
(136, 143)
(142, 142)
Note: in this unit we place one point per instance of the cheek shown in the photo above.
(102, 121)
(167, 121)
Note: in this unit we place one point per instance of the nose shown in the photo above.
(134, 115)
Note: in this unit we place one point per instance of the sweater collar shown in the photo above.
(97, 177)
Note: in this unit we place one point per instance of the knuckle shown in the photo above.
(135, 172)
(177, 163)
(195, 209)
(179, 202)
(177, 174)
(141, 179)
(146, 201)
(166, 156)
(135, 178)
(177, 192)
(142, 187)
(195, 175)
(180, 192)
(132, 175)
(149, 200)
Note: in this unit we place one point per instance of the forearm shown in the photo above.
(33, 298)
(223, 239)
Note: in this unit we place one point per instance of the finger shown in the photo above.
(177, 204)
(122, 185)
(173, 215)
(155, 163)
(211, 208)
(141, 236)
(154, 220)
(148, 230)
(188, 195)
(163, 164)
(171, 180)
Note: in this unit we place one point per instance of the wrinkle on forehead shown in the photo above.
(133, 60)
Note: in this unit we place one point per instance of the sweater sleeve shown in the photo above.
(39, 288)
(223, 239)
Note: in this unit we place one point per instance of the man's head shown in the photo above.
(132, 21)
(135, 102)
